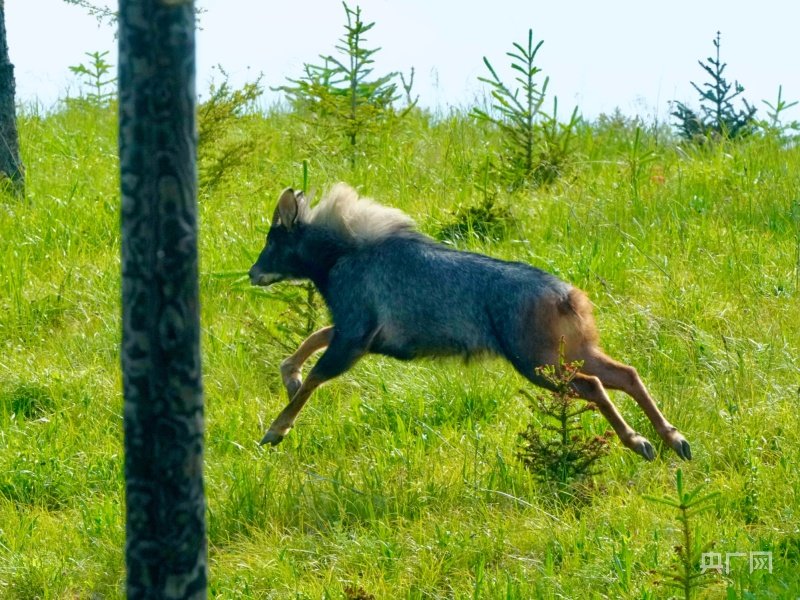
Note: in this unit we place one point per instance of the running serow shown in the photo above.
(393, 291)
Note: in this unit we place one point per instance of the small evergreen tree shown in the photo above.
(774, 123)
(687, 574)
(537, 145)
(96, 76)
(518, 108)
(718, 118)
(557, 450)
(340, 89)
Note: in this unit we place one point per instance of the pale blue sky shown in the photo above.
(635, 55)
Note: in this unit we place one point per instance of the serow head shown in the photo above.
(281, 257)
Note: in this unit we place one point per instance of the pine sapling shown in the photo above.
(686, 575)
(537, 145)
(96, 77)
(558, 449)
(718, 118)
(518, 108)
(341, 89)
(774, 124)
(222, 142)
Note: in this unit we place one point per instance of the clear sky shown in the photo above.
(632, 54)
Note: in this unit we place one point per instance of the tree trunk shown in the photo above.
(10, 163)
(165, 550)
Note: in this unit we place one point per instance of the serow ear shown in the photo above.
(287, 210)
(302, 204)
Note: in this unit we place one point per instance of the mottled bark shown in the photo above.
(165, 551)
(10, 163)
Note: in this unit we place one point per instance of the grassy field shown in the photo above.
(401, 479)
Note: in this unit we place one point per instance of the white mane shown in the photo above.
(359, 219)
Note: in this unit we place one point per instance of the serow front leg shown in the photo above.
(290, 367)
(340, 355)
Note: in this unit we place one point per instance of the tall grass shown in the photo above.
(400, 480)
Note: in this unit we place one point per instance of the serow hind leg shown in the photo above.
(617, 376)
(590, 388)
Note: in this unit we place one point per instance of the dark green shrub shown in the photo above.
(26, 401)
(487, 221)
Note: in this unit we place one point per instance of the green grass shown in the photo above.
(400, 480)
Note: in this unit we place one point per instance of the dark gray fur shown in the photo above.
(409, 297)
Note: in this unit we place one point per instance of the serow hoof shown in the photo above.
(682, 449)
(272, 438)
(644, 448)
